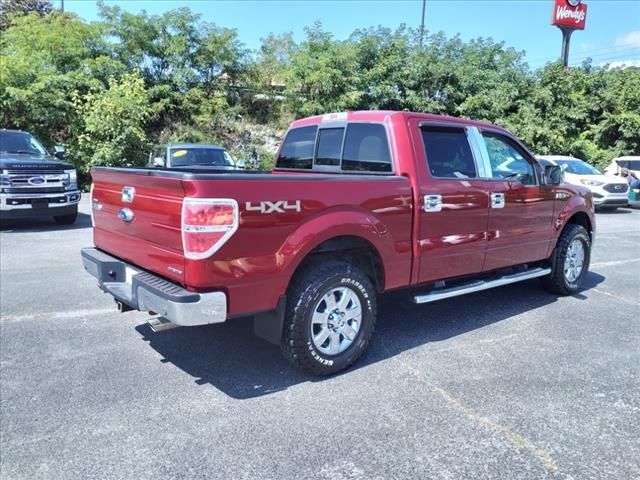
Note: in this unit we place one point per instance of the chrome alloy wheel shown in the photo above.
(336, 320)
(574, 260)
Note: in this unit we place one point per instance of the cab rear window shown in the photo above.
(366, 148)
(297, 149)
(360, 147)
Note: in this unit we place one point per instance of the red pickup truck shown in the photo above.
(359, 203)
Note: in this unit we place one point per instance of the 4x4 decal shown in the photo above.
(279, 206)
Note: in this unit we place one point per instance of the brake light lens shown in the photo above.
(93, 222)
(207, 223)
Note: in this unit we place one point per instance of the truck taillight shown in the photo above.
(93, 222)
(207, 223)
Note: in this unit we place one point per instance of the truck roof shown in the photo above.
(194, 145)
(383, 115)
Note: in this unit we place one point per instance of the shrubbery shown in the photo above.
(108, 90)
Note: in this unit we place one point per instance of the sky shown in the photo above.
(612, 33)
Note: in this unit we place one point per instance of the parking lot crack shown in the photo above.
(522, 443)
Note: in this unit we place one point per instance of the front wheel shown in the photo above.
(330, 316)
(569, 261)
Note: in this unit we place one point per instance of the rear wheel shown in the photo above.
(570, 261)
(66, 219)
(330, 316)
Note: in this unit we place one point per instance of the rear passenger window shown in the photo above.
(297, 149)
(366, 148)
(329, 146)
(448, 152)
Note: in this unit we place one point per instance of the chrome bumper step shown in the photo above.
(477, 286)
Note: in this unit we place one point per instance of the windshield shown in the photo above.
(630, 164)
(578, 167)
(181, 157)
(20, 142)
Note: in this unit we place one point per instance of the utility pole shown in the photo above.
(62, 5)
(422, 22)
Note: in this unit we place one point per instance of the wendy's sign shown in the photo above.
(570, 14)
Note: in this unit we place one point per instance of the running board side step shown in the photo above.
(480, 285)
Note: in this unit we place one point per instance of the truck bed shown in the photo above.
(281, 215)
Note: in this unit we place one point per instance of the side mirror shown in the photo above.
(158, 162)
(553, 174)
(58, 152)
(240, 164)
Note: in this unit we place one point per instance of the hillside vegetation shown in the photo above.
(109, 90)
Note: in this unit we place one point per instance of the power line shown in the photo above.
(622, 46)
(585, 56)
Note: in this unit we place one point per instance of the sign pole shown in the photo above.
(566, 39)
(568, 16)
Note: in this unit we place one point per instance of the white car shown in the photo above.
(631, 163)
(609, 191)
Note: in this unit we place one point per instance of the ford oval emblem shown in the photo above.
(36, 180)
(125, 214)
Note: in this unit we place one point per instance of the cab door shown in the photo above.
(453, 202)
(520, 225)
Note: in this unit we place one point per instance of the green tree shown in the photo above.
(114, 120)
(320, 77)
(46, 60)
(13, 8)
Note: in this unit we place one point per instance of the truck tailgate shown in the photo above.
(151, 238)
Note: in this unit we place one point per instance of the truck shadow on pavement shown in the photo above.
(232, 359)
(43, 224)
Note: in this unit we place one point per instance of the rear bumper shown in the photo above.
(26, 205)
(146, 292)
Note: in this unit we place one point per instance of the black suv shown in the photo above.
(33, 182)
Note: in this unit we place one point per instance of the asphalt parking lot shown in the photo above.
(512, 383)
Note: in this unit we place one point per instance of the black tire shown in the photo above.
(305, 295)
(557, 281)
(606, 209)
(66, 219)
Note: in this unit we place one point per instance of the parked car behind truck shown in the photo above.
(358, 204)
(192, 155)
(609, 191)
(35, 183)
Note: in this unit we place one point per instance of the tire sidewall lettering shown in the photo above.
(364, 295)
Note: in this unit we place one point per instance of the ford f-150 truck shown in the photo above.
(359, 203)
(34, 183)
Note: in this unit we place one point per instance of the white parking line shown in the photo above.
(615, 262)
(57, 315)
(617, 297)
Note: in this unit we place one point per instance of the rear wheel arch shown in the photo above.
(352, 249)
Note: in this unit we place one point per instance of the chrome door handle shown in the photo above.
(497, 200)
(432, 203)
